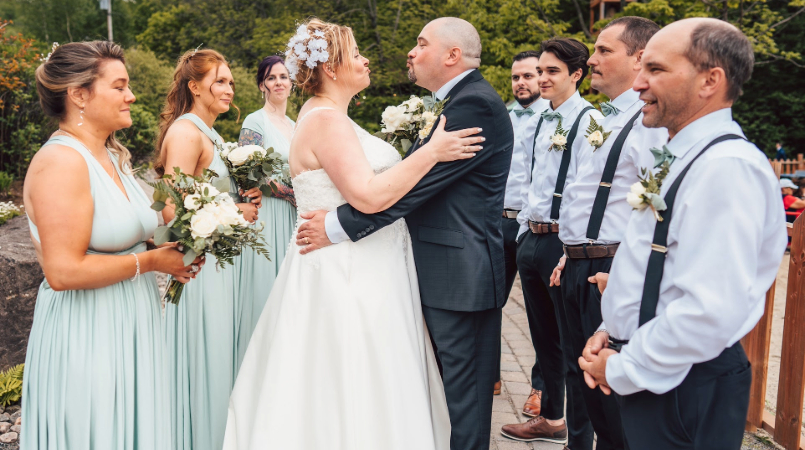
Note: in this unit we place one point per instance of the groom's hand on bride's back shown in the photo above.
(312, 234)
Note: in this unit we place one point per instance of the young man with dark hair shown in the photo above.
(525, 86)
(684, 292)
(594, 209)
(557, 144)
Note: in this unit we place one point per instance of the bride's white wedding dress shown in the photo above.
(341, 357)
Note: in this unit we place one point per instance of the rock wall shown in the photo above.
(20, 276)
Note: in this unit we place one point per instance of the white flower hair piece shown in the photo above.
(52, 49)
(307, 47)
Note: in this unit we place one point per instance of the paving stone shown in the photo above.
(509, 444)
(518, 336)
(514, 376)
(507, 366)
(518, 388)
(501, 404)
(508, 357)
(521, 344)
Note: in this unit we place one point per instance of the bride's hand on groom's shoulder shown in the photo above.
(312, 234)
(448, 146)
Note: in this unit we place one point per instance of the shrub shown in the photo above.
(5, 182)
(11, 385)
(140, 137)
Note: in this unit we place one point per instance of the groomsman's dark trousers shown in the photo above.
(582, 301)
(510, 228)
(706, 412)
(467, 343)
(537, 256)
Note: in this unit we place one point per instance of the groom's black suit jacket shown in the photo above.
(454, 212)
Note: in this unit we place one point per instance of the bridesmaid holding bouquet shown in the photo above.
(202, 331)
(96, 370)
(268, 127)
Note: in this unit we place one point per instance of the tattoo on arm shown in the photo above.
(285, 193)
(249, 137)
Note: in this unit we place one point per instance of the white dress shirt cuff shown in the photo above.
(335, 232)
(617, 375)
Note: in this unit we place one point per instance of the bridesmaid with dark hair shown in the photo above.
(268, 127)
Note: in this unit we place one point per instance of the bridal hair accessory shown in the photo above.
(307, 47)
(52, 49)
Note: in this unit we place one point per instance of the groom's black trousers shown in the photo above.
(582, 301)
(467, 344)
(537, 256)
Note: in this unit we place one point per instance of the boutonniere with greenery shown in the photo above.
(559, 138)
(646, 192)
(596, 135)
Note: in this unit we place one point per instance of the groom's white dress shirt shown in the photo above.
(516, 194)
(335, 232)
(546, 162)
(579, 196)
(726, 239)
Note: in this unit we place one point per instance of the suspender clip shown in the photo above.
(556, 194)
(606, 185)
(659, 248)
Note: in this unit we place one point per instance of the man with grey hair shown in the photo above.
(683, 292)
(453, 215)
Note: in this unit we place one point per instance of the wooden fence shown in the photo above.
(786, 425)
(788, 166)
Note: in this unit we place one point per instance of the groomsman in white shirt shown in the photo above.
(685, 290)
(594, 209)
(558, 144)
(525, 86)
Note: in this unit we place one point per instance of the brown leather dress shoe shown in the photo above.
(536, 429)
(533, 406)
(497, 388)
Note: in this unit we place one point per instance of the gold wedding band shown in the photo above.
(307, 241)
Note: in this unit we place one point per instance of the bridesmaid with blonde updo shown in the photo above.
(96, 370)
(202, 331)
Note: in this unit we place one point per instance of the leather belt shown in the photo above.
(510, 213)
(590, 251)
(543, 228)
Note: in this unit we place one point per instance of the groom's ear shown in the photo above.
(454, 56)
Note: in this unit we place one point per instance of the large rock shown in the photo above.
(20, 276)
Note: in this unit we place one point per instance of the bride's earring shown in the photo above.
(81, 115)
(334, 78)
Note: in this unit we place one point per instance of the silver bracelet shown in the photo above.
(137, 260)
(602, 330)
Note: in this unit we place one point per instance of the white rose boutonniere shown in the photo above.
(646, 192)
(559, 138)
(596, 136)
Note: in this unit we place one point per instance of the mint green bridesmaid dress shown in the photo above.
(201, 336)
(257, 273)
(96, 370)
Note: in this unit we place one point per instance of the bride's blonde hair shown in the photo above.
(340, 47)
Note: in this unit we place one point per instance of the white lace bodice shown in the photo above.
(314, 190)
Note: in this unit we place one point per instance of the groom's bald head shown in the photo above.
(453, 32)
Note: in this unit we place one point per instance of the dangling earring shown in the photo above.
(262, 94)
(334, 78)
(81, 114)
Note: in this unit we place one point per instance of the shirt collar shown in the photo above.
(569, 105)
(626, 100)
(699, 129)
(445, 89)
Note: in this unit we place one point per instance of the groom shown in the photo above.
(453, 215)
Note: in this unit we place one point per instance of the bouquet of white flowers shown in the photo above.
(251, 166)
(207, 221)
(413, 118)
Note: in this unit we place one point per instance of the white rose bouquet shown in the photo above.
(207, 221)
(251, 166)
(411, 119)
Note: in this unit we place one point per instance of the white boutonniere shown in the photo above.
(646, 192)
(559, 138)
(596, 136)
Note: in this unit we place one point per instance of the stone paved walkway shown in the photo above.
(516, 361)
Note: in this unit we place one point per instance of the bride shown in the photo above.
(341, 357)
